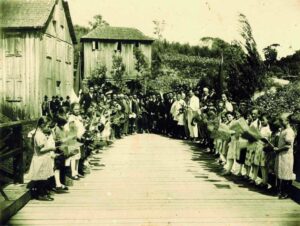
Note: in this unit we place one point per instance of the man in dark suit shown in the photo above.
(45, 107)
(86, 99)
(67, 104)
(54, 106)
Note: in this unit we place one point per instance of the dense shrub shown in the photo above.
(286, 99)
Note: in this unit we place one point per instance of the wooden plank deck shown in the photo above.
(152, 180)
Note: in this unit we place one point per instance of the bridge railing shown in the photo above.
(12, 162)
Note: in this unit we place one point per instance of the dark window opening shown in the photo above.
(119, 47)
(137, 44)
(95, 45)
(54, 26)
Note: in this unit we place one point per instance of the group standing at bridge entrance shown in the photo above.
(246, 142)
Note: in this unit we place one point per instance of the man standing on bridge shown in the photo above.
(193, 107)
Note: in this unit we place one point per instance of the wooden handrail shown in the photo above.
(10, 153)
(15, 123)
(12, 147)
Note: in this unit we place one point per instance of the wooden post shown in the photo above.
(18, 162)
(145, 85)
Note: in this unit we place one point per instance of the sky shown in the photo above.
(187, 21)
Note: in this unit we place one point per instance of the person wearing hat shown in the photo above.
(86, 99)
(54, 106)
(45, 106)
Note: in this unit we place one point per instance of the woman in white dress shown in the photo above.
(42, 164)
(232, 146)
(284, 161)
(259, 155)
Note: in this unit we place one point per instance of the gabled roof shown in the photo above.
(116, 33)
(33, 14)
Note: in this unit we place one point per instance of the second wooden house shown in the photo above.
(102, 43)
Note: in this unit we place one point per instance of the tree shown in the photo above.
(118, 71)
(141, 63)
(98, 76)
(271, 53)
(98, 21)
(248, 74)
(159, 27)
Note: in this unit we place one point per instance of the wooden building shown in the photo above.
(102, 43)
(36, 54)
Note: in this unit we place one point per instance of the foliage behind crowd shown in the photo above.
(235, 68)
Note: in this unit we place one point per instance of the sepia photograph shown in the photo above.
(149, 113)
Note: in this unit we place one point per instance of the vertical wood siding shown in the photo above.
(104, 55)
(34, 72)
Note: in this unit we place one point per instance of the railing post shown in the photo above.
(18, 162)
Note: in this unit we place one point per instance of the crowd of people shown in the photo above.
(245, 142)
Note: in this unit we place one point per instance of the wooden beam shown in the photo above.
(10, 154)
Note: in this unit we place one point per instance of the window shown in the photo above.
(13, 45)
(119, 47)
(13, 90)
(95, 45)
(69, 54)
(13, 67)
(54, 26)
(49, 47)
(13, 79)
(137, 44)
(58, 50)
(49, 68)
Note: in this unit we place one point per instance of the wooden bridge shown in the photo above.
(153, 180)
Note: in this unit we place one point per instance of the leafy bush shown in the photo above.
(98, 76)
(170, 80)
(286, 99)
(191, 66)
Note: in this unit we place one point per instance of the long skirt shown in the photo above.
(193, 129)
(232, 148)
(284, 165)
(241, 151)
(41, 167)
(224, 149)
(259, 155)
(218, 144)
(250, 154)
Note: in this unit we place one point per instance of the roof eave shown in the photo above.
(21, 28)
(69, 21)
(107, 39)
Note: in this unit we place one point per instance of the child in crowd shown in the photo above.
(81, 130)
(259, 161)
(232, 145)
(41, 168)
